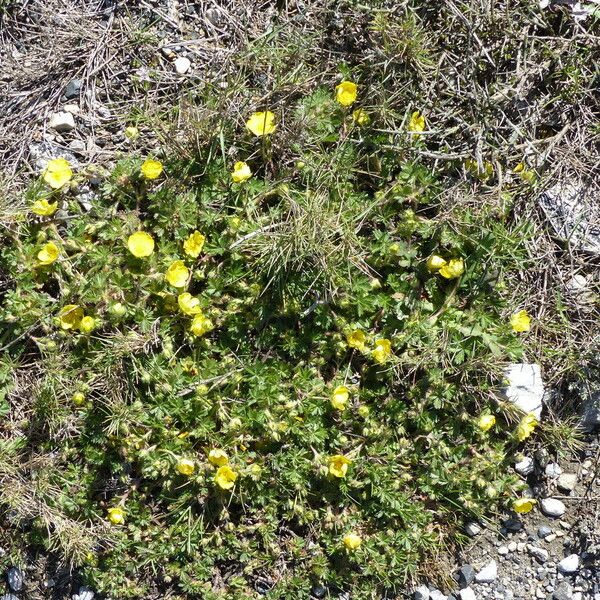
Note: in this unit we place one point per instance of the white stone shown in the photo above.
(472, 529)
(62, 121)
(421, 593)
(567, 482)
(553, 470)
(539, 553)
(71, 108)
(503, 550)
(488, 573)
(552, 507)
(525, 466)
(437, 595)
(512, 546)
(525, 387)
(182, 65)
(467, 594)
(570, 564)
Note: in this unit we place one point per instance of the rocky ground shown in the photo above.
(550, 553)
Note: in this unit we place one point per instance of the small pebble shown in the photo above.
(552, 507)
(61, 122)
(567, 482)
(570, 564)
(553, 470)
(488, 573)
(421, 593)
(14, 578)
(538, 553)
(182, 65)
(467, 594)
(472, 529)
(525, 466)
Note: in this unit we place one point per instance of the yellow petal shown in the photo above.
(201, 325)
(416, 123)
(116, 515)
(346, 93)
(44, 208)
(486, 422)
(87, 324)
(193, 245)
(177, 274)
(140, 244)
(70, 316)
(520, 321)
(218, 458)
(261, 123)
(435, 263)
(523, 505)
(48, 253)
(225, 477)
(352, 541)
(57, 173)
(339, 398)
(526, 426)
(151, 169)
(338, 465)
(185, 466)
(361, 117)
(356, 339)
(453, 269)
(189, 304)
(241, 172)
(382, 350)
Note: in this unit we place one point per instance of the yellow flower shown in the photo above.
(78, 398)
(225, 477)
(352, 541)
(435, 263)
(523, 505)
(177, 274)
(189, 305)
(193, 245)
(57, 173)
(87, 324)
(116, 515)
(346, 93)
(453, 269)
(486, 422)
(356, 339)
(338, 465)
(520, 321)
(201, 325)
(241, 172)
(48, 254)
(361, 117)
(44, 208)
(185, 466)
(526, 426)
(140, 244)
(261, 123)
(132, 133)
(340, 396)
(218, 458)
(483, 173)
(382, 350)
(70, 316)
(151, 169)
(417, 122)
